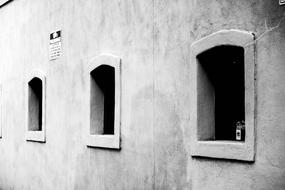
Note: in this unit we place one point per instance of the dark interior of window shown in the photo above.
(35, 104)
(224, 66)
(104, 77)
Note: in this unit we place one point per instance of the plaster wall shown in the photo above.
(153, 38)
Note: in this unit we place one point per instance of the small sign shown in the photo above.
(55, 45)
(281, 2)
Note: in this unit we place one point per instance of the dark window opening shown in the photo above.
(102, 100)
(221, 87)
(35, 104)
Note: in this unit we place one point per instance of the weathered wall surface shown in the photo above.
(153, 38)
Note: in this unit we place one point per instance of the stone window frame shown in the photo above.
(226, 149)
(98, 140)
(36, 136)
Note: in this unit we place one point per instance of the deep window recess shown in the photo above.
(35, 94)
(104, 78)
(221, 88)
(102, 100)
(222, 85)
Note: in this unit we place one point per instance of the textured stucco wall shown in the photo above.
(153, 38)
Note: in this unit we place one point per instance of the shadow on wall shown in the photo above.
(128, 168)
(171, 157)
(141, 156)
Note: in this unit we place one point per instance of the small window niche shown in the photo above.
(36, 108)
(104, 95)
(223, 93)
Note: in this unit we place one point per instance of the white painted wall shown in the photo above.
(153, 39)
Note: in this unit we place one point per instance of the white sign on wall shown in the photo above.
(281, 2)
(55, 45)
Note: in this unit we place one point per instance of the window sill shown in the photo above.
(36, 136)
(104, 141)
(224, 149)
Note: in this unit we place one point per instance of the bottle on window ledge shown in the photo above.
(240, 130)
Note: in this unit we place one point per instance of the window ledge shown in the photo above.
(104, 141)
(36, 136)
(224, 149)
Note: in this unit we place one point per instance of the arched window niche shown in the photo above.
(104, 77)
(223, 96)
(36, 103)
